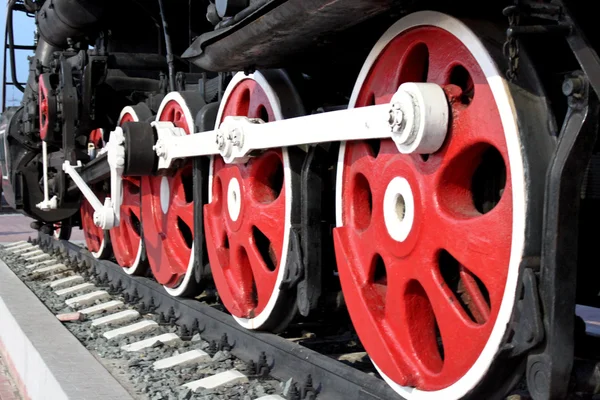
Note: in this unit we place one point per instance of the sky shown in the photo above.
(24, 28)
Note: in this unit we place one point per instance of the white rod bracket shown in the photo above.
(47, 204)
(83, 187)
(116, 161)
(103, 214)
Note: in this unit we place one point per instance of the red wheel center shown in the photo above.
(424, 252)
(168, 210)
(43, 109)
(94, 235)
(244, 220)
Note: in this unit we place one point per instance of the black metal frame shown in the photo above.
(550, 366)
(10, 47)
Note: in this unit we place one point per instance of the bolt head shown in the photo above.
(220, 140)
(396, 118)
(572, 86)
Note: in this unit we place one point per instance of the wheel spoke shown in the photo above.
(361, 158)
(395, 300)
(263, 278)
(94, 236)
(481, 244)
(454, 325)
(241, 277)
(267, 218)
(185, 211)
(173, 227)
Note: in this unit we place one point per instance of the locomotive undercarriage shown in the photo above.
(432, 164)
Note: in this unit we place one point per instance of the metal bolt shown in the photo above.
(396, 117)
(236, 142)
(220, 140)
(224, 344)
(159, 149)
(572, 86)
(196, 326)
(212, 348)
(184, 332)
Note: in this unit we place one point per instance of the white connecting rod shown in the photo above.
(85, 189)
(47, 203)
(107, 215)
(239, 136)
(416, 119)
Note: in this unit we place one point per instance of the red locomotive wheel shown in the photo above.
(168, 211)
(248, 218)
(97, 138)
(96, 239)
(428, 247)
(62, 230)
(126, 239)
(47, 105)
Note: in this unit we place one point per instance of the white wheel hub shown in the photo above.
(234, 199)
(165, 194)
(399, 209)
(419, 118)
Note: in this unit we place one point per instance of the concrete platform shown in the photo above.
(47, 361)
(15, 227)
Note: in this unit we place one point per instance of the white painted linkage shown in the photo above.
(85, 189)
(416, 119)
(239, 136)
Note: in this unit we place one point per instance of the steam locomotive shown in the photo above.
(432, 163)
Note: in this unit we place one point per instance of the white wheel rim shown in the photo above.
(185, 282)
(98, 253)
(165, 195)
(507, 111)
(263, 317)
(136, 264)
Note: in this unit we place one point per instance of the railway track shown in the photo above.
(178, 348)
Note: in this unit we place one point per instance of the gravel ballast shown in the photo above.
(135, 370)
